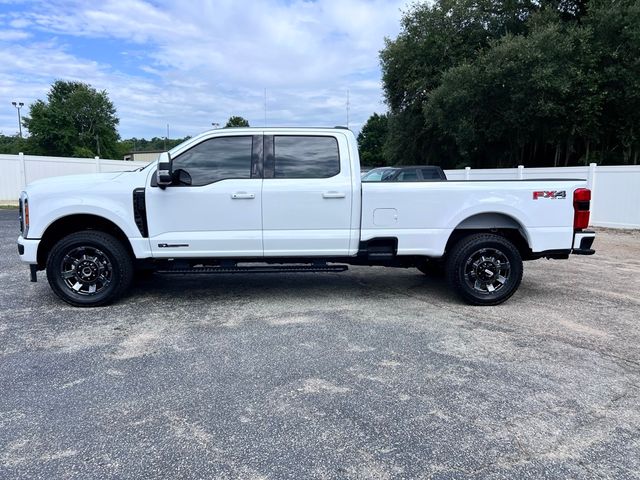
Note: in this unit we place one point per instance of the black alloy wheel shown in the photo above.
(487, 270)
(484, 268)
(89, 268)
(86, 270)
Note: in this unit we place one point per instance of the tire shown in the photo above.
(89, 269)
(432, 268)
(484, 269)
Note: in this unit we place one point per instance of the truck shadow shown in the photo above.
(365, 284)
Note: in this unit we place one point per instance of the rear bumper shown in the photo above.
(28, 250)
(582, 242)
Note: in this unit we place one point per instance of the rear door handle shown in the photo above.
(241, 195)
(334, 195)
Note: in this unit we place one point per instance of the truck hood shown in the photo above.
(79, 186)
(73, 181)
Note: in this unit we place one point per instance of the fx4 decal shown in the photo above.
(552, 194)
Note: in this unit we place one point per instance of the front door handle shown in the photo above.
(334, 195)
(241, 195)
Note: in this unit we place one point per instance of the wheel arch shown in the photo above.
(493, 222)
(79, 222)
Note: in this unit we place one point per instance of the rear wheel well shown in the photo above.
(491, 222)
(512, 234)
(78, 223)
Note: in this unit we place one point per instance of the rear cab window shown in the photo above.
(431, 174)
(407, 176)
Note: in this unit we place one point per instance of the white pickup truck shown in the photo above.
(255, 200)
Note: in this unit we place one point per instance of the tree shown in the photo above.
(616, 46)
(372, 139)
(14, 144)
(525, 93)
(435, 37)
(504, 82)
(143, 145)
(75, 120)
(236, 121)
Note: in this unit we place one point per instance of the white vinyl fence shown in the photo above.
(615, 189)
(16, 171)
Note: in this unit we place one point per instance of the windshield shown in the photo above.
(378, 174)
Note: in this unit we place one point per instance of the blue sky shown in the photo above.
(191, 63)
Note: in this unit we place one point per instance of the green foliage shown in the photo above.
(371, 140)
(143, 145)
(75, 119)
(236, 121)
(82, 152)
(499, 83)
(14, 145)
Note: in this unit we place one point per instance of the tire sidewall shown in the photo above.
(109, 246)
(468, 247)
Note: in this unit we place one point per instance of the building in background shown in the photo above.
(148, 156)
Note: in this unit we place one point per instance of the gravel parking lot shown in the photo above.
(372, 373)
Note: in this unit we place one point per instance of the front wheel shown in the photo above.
(89, 269)
(484, 269)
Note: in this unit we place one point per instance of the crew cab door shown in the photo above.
(220, 213)
(306, 195)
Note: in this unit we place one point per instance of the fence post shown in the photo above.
(591, 183)
(467, 173)
(520, 172)
(98, 164)
(23, 171)
(591, 179)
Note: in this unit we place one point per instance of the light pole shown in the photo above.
(19, 105)
(215, 124)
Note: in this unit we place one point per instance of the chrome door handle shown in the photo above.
(241, 195)
(334, 195)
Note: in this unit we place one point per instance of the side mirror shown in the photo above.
(164, 175)
(181, 177)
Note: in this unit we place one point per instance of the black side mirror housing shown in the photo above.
(164, 175)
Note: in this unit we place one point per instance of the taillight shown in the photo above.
(581, 205)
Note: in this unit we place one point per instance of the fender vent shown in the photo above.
(140, 211)
(20, 215)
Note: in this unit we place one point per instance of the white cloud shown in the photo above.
(20, 23)
(10, 35)
(202, 61)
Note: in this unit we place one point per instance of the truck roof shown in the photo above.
(283, 127)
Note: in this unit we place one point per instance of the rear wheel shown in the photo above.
(89, 269)
(484, 269)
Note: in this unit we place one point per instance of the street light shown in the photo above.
(19, 105)
(215, 124)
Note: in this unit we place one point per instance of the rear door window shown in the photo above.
(306, 157)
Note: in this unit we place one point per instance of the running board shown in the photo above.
(257, 269)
